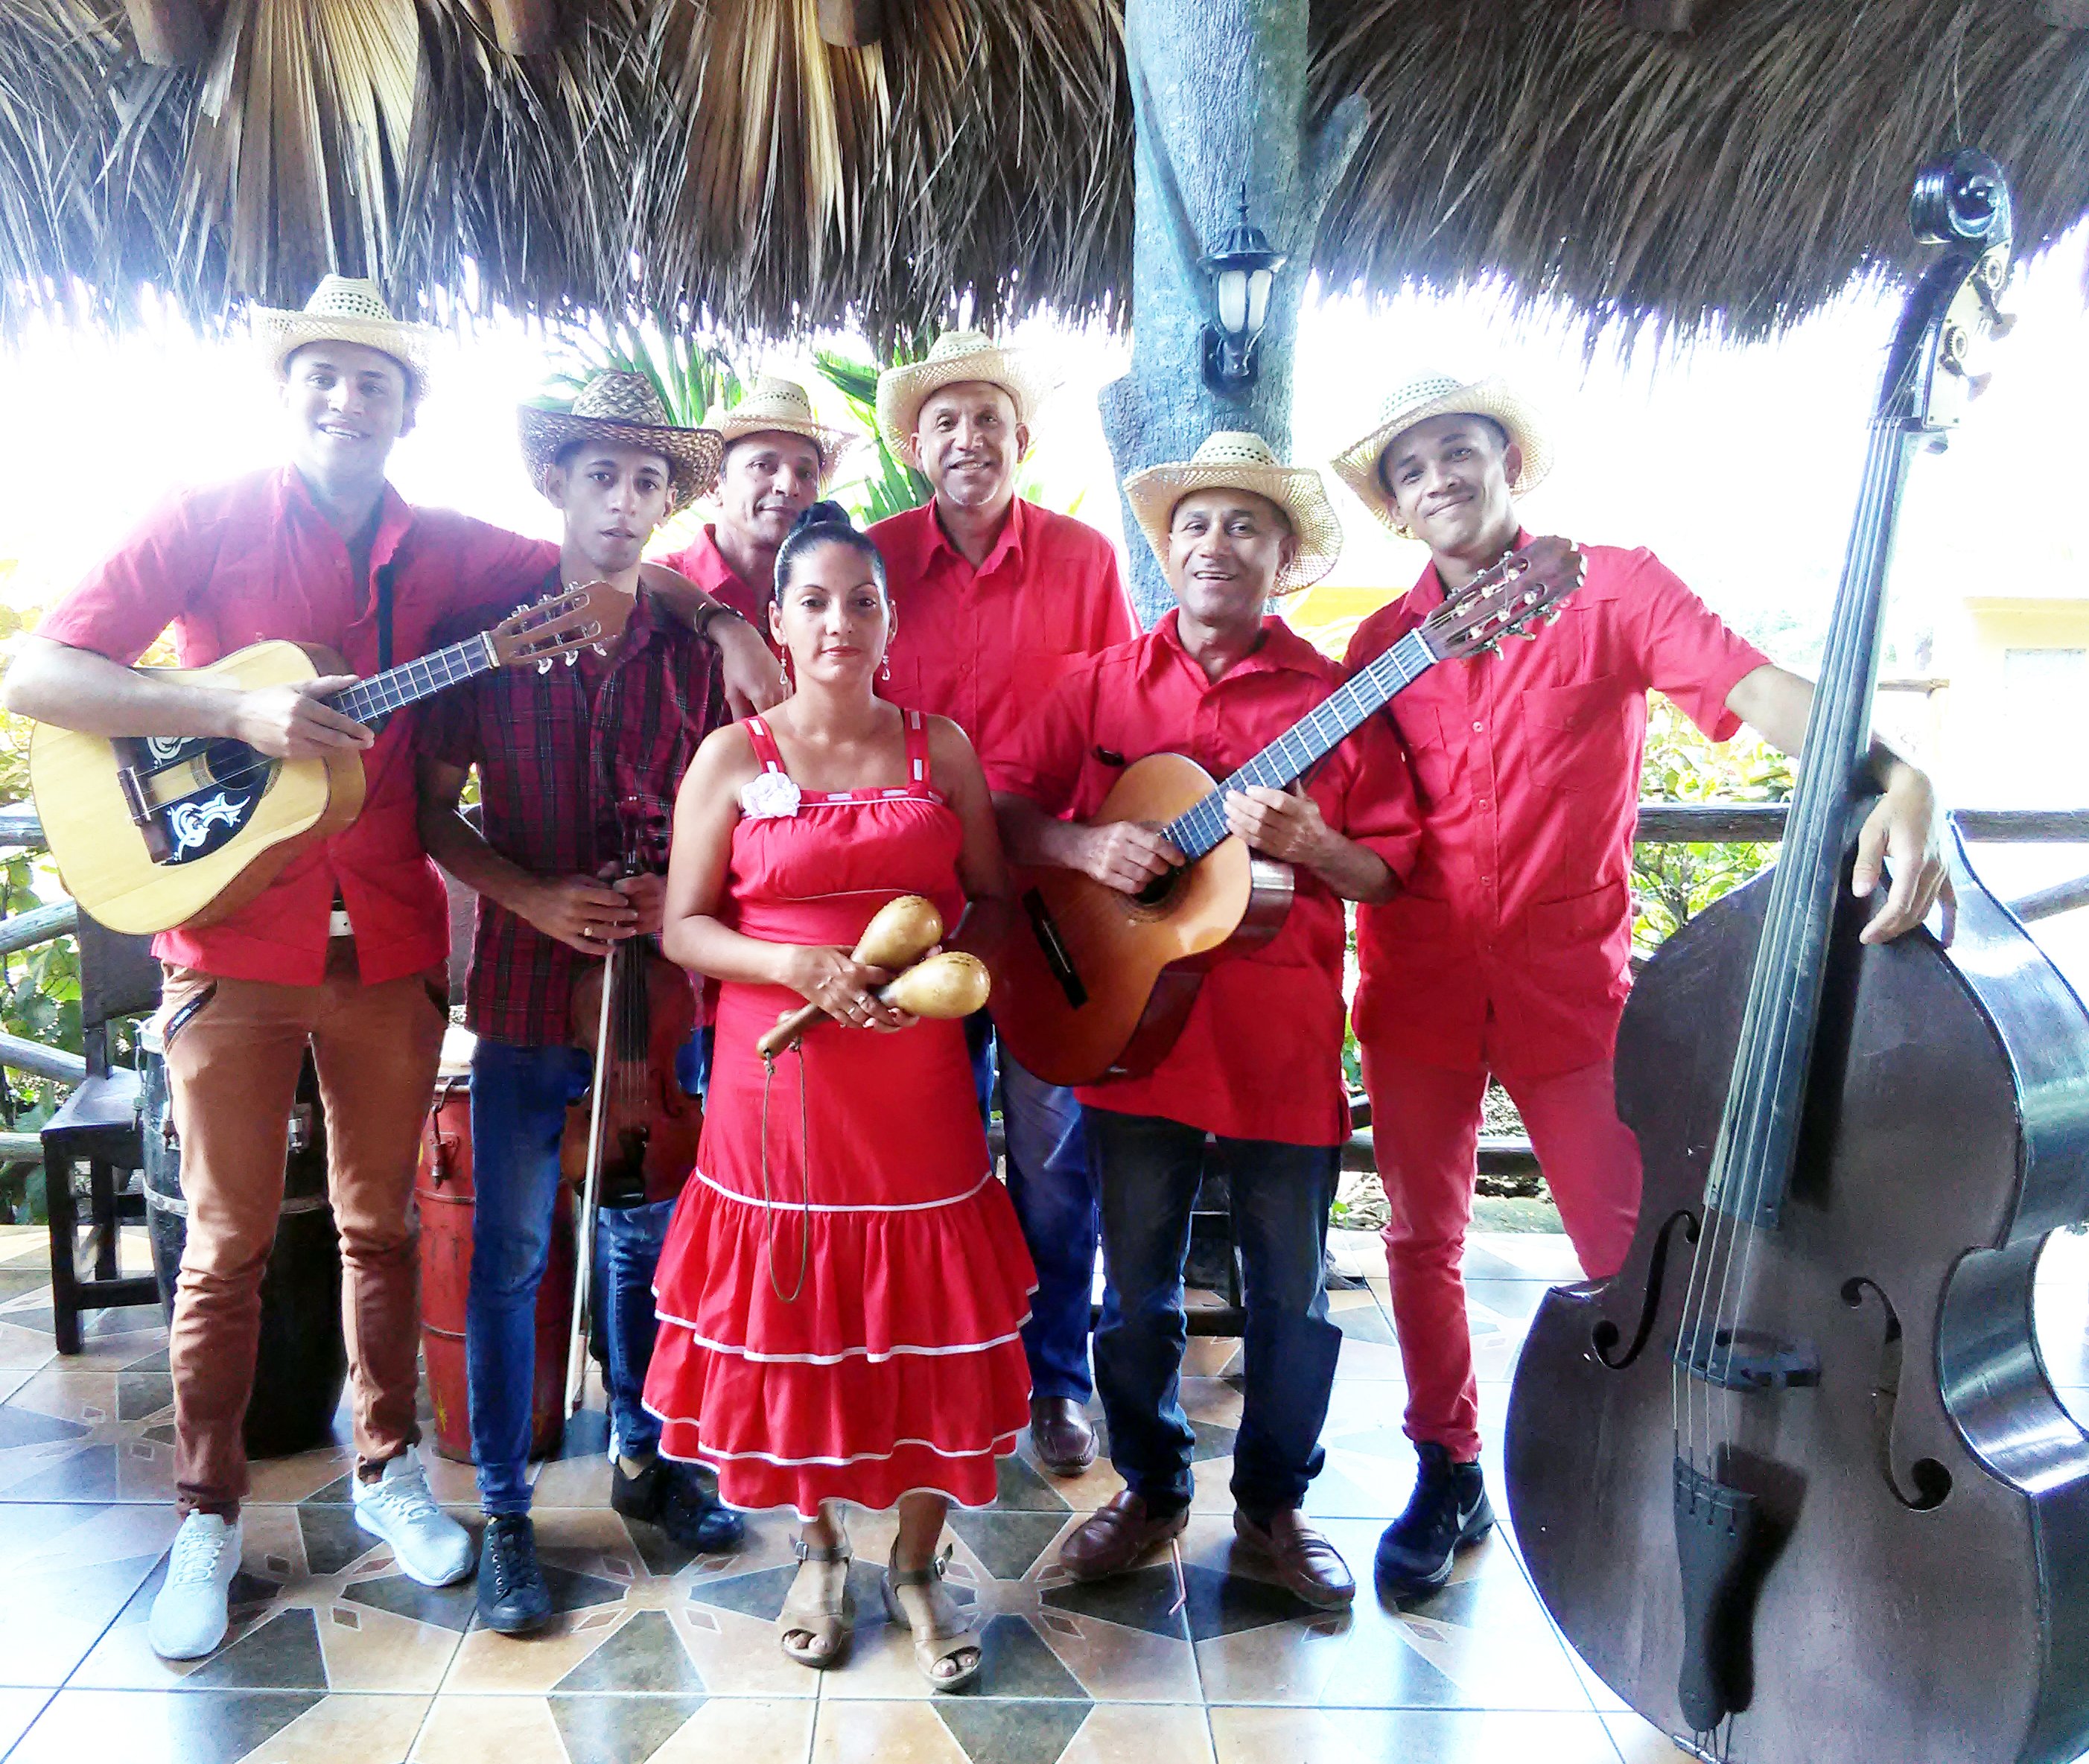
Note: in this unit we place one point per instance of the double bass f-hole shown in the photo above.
(1605, 1336)
(1933, 1481)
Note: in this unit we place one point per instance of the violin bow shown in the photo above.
(576, 1348)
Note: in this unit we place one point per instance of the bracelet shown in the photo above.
(708, 616)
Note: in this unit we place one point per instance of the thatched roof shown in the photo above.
(718, 158)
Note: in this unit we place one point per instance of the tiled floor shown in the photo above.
(335, 1655)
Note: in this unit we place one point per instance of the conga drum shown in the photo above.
(301, 1360)
(443, 1187)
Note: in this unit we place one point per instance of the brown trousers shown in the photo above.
(232, 1067)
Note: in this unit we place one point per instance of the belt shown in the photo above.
(338, 926)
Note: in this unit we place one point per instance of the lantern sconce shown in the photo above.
(1241, 267)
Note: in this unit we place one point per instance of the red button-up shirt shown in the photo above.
(1508, 951)
(983, 647)
(254, 559)
(702, 562)
(1260, 1056)
(558, 754)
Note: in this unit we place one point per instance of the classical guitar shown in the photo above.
(1092, 983)
(151, 832)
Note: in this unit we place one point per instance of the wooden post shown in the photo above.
(525, 26)
(852, 24)
(1218, 90)
(171, 33)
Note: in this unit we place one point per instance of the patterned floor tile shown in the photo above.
(311, 1610)
(603, 1729)
(66, 1439)
(1135, 1733)
(69, 1571)
(1406, 1736)
(139, 1726)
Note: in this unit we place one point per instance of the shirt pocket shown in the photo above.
(1435, 753)
(1576, 734)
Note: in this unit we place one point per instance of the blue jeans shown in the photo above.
(1149, 1169)
(1048, 1181)
(519, 1099)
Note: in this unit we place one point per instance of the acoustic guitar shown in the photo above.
(151, 832)
(1092, 983)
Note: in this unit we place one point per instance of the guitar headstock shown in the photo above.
(1505, 601)
(561, 624)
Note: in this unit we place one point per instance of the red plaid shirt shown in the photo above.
(557, 753)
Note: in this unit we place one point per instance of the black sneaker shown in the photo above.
(512, 1597)
(1449, 1508)
(676, 1498)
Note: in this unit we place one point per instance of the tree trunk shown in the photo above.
(1219, 93)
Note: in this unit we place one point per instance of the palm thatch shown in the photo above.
(715, 162)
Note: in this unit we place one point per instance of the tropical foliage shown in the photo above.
(1673, 883)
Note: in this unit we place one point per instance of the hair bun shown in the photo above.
(823, 515)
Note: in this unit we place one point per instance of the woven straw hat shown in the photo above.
(1235, 460)
(957, 356)
(624, 408)
(345, 309)
(1441, 395)
(773, 405)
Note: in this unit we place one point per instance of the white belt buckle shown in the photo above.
(337, 925)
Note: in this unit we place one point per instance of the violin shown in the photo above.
(632, 1138)
(1794, 1482)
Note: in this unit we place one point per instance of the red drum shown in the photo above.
(442, 1185)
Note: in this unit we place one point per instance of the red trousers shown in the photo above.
(1425, 1125)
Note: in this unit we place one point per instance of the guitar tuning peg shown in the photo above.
(599, 649)
(570, 656)
(544, 664)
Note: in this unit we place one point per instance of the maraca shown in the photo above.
(899, 935)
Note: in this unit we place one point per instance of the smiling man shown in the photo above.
(1508, 952)
(779, 460)
(343, 952)
(565, 759)
(997, 599)
(1258, 1065)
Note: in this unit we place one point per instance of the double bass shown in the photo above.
(1794, 1482)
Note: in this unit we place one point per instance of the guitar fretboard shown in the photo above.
(412, 681)
(1202, 827)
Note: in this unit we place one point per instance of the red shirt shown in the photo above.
(983, 647)
(1261, 1055)
(254, 559)
(702, 562)
(1508, 951)
(558, 754)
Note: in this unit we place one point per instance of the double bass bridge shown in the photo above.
(1747, 1359)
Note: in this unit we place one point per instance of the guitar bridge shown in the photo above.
(1057, 956)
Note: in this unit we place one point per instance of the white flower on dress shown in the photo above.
(768, 794)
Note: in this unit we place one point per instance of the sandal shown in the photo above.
(941, 1632)
(827, 1619)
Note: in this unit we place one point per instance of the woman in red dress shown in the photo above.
(843, 1288)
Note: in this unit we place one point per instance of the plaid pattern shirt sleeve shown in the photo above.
(558, 753)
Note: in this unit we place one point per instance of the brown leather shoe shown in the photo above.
(1059, 1429)
(1305, 1562)
(1114, 1539)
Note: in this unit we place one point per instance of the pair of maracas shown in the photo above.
(950, 983)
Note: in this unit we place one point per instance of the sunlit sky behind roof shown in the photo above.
(1738, 464)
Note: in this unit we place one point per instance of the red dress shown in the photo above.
(899, 1364)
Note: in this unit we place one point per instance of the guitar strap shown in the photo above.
(383, 577)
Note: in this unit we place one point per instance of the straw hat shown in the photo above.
(957, 356)
(773, 405)
(1440, 394)
(1233, 460)
(622, 408)
(345, 309)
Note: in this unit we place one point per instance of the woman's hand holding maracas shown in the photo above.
(843, 987)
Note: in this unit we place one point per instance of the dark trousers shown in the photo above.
(1148, 1170)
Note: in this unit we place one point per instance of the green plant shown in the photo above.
(1673, 883)
(692, 372)
(889, 487)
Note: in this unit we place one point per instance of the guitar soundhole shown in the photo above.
(1160, 891)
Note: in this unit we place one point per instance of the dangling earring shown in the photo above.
(790, 685)
(885, 667)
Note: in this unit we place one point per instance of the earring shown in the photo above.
(884, 669)
(790, 685)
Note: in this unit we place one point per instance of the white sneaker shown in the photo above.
(431, 1547)
(191, 1609)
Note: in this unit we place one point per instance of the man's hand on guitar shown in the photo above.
(1284, 824)
(581, 913)
(292, 722)
(1127, 855)
(844, 988)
